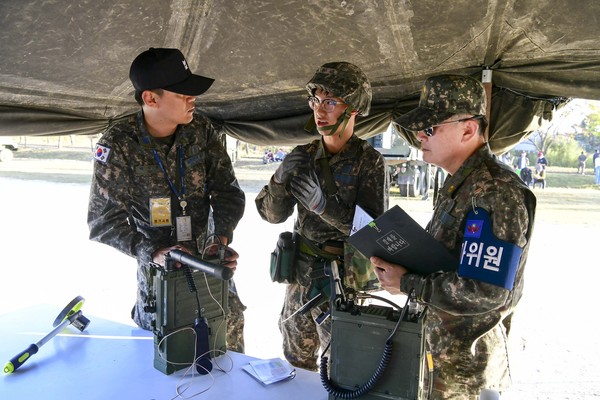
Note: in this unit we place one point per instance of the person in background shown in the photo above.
(523, 160)
(163, 180)
(581, 166)
(526, 176)
(280, 155)
(484, 216)
(517, 169)
(324, 180)
(597, 167)
(539, 177)
(541, 160)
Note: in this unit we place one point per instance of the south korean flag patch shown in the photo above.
(102, 153)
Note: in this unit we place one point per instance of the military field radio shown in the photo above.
(377, 352)
(190, 309)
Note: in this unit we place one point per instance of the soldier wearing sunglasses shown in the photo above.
(484, 216)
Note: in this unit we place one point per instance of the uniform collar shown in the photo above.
(455, 181)
(348, 151)
(146, 139)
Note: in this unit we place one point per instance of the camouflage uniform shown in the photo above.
(359, 173)
(467, 321)
(122, 186)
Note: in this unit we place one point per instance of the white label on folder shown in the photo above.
(361, 218)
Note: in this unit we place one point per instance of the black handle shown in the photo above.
(215, 270)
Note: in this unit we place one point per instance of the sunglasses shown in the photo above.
(430, 130)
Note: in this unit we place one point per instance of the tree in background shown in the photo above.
(590, 127)
(574, 128)
(564, 152)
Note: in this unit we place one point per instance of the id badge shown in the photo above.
(184, 228)
(160, 211)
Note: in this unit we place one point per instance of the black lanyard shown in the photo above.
(180, 196)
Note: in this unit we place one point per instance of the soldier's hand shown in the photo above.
(291, 165)
(225, 255)
(307, 190)
(389, 274)
(158, 256)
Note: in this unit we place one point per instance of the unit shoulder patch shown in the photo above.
(485, 257)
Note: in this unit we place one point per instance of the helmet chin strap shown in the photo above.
(329, 130)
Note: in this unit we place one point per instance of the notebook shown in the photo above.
(396, 237)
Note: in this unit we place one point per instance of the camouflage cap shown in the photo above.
(442, 97)
(346, 81)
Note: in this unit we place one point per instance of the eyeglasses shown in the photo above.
(429, 131)
(328, 104)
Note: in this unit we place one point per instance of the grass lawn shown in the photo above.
(564, 177)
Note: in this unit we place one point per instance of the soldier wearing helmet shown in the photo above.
(325, 180)
(484, 215)
(346, 81)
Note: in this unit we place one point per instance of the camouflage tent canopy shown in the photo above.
(64, 69)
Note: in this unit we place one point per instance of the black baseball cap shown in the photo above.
(159, 68)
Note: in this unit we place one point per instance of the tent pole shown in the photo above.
(486, 80)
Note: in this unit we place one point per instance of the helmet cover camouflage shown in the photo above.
(442, 97)
(346, 81)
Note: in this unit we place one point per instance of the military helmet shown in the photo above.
(346, 81)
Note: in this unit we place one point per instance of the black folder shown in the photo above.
(396, 237)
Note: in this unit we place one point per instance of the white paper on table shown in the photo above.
(270, 371)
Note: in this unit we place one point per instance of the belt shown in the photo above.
(338, 251)
(331, 249)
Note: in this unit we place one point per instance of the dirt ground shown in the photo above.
(48, 259)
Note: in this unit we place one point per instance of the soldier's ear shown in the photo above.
(149, 98)
(470, 130)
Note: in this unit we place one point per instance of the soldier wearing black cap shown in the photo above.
(163, 180)
(325, 180)
(484, 215)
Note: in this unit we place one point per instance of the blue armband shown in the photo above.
(485, 257)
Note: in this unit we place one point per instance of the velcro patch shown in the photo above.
(485, 257)
(102, 153)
